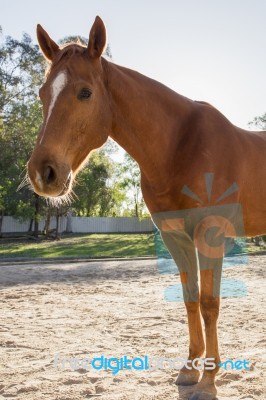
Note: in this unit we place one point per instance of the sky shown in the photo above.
(211, 50)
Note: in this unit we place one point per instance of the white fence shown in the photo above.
(85, 225)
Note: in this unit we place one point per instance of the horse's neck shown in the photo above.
(147, 119)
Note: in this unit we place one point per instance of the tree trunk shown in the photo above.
(136, 205)
(57, 224)
(1, 221)
(136, 210)
(69, 222)
(36, 215)
(47, 222)
(30, 225)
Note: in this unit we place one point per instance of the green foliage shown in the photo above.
(258, 122)
(130, 183)
(84, 42)
(21, 70)
(73, 39)
(98, 194)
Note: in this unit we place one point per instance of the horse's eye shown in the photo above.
(84, 94)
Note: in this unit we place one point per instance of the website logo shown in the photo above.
(216, 230)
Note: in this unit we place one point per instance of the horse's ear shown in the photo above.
(47, 45)
(97, 39)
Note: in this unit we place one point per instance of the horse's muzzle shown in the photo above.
(49, 179)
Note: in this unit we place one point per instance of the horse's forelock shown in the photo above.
(67, 51)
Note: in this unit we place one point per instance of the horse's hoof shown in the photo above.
(187, 379)
(200, 395)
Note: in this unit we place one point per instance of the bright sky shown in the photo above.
(212, 50)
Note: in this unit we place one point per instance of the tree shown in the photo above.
(97, 192)
(259, 122)
(130, 181)
(21, 71)
(84, 42)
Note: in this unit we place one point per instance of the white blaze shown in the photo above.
(58, 85)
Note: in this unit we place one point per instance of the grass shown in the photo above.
(93, 246)
(89, 245)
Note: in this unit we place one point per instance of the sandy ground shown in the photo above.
(86, 310)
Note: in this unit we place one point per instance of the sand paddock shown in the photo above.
(117, 308)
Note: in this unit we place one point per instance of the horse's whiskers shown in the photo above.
(66, 199)
(25, 183)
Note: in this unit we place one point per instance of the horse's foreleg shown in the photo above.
(196, 345)
(209, 307)
(182, 249)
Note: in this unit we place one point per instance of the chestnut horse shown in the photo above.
(190, 156)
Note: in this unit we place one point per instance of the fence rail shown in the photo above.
(85, 225)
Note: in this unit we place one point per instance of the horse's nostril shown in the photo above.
(49, 175)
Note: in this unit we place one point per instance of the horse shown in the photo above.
(202, 178)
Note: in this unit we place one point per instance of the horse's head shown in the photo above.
(76, 111)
